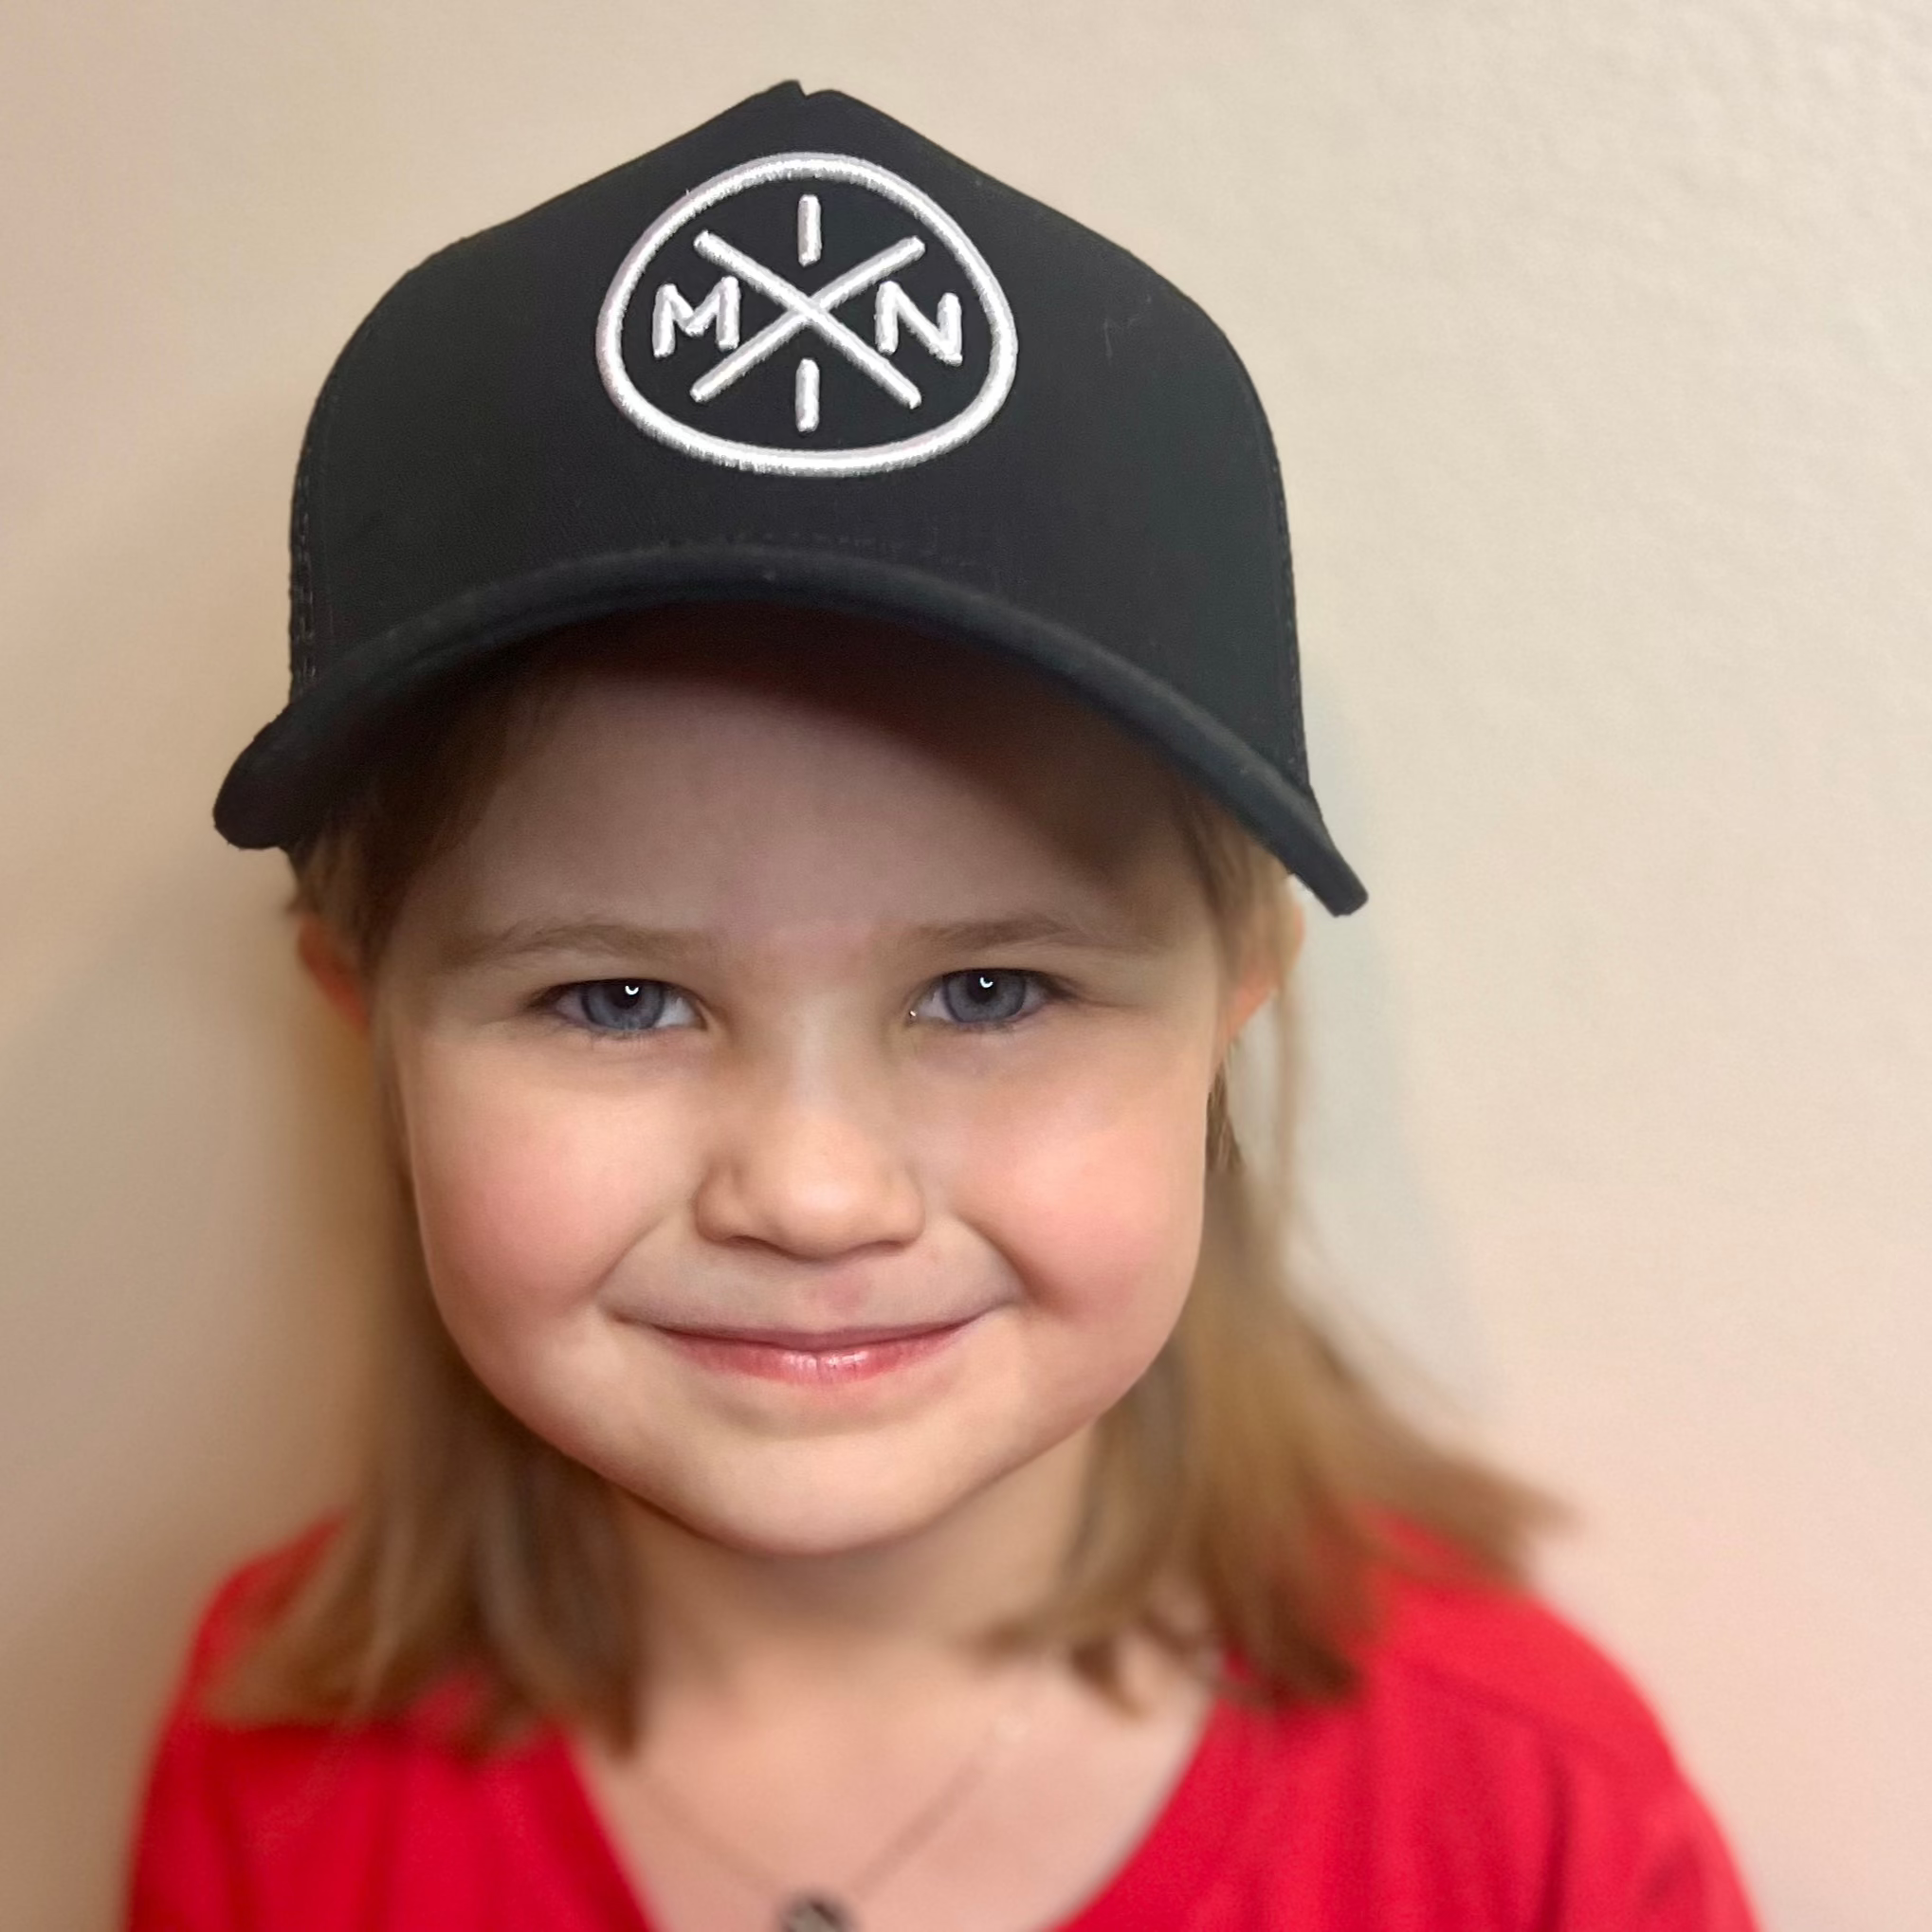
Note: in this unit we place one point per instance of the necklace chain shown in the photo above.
(1005, 1730)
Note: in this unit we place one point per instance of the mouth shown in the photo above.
(820, 1358)
(812, 1340)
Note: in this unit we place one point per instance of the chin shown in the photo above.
(810, 1511)
(804, 1500)
(830, 1533)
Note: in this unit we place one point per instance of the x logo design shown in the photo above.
(809, 317)
(802, 311)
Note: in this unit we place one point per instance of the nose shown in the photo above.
(809, 1171)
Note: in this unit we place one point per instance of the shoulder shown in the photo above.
(1493, 1765)
(1510, 1661)
(242, 1606)
(204, 1778)
(1496, 1764)
(296, 1824)
(245, 1597)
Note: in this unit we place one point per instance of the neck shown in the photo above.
(741, 1630)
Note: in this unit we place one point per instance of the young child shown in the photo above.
(794, 762)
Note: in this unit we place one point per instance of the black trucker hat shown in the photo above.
(798, 354)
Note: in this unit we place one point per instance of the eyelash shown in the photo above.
(1054, 991)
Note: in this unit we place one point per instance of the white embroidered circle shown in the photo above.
(800, 310)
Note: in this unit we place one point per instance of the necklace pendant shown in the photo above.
(814, 1912)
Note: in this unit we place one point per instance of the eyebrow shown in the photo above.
(527, 940)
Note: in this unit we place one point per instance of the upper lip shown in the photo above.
(815, 1339)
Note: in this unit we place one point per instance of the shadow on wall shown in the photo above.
(1368, 1243)
(190, 1214)
(191, 1247)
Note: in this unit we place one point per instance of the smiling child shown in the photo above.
(795, 768)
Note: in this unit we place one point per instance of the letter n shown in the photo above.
(941, 337)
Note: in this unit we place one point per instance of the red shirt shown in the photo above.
(1497, 1773)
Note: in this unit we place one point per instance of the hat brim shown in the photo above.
(278, 790)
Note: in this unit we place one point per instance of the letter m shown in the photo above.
(670, 311)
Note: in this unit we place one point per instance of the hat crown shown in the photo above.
(803, 353)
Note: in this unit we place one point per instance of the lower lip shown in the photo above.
(812, 1368)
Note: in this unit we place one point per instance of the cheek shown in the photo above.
(1097, 1202)
(526, 1199)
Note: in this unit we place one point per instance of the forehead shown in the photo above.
(789, 765)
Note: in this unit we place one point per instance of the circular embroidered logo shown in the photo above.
(806, 315)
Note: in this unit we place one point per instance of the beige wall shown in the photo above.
(1597, 338)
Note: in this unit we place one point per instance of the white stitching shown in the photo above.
(655, 422)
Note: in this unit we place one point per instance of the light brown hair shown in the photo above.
(1254, 1463)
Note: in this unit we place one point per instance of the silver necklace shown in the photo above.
(822, 1911)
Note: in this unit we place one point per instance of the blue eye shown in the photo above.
(980, 1001)
(988, 998)
(619, 1006)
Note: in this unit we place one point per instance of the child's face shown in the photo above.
(797, 1115)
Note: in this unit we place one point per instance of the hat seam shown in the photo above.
(1261, 440)
(311, 501)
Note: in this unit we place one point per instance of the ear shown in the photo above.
(1264, 967)
(322, 958)
(1294, 927)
